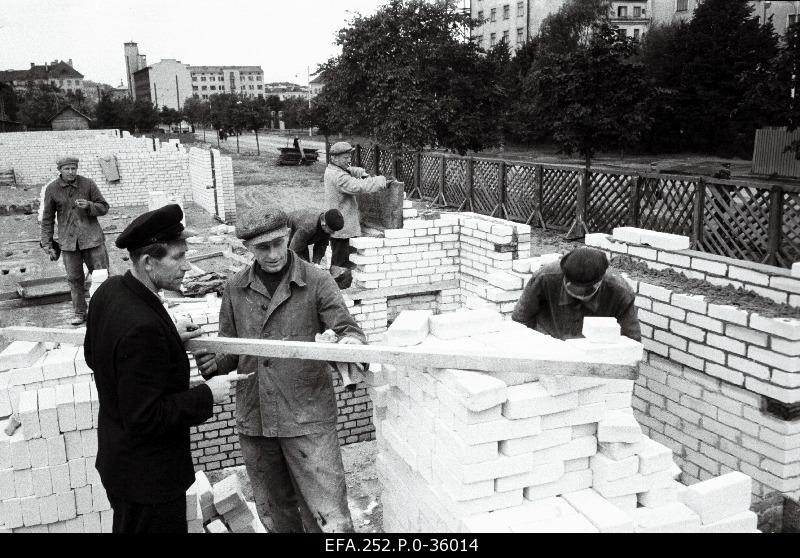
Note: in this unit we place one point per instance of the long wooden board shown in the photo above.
(483, 360)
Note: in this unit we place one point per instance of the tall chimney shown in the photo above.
(33, 64)
(70, 63)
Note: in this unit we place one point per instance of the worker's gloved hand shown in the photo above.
(357, 172)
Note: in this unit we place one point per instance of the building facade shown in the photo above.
(57, 72)
(133, 63)
(516, 21)
(165, 83)
(316, 86)
(206, 81)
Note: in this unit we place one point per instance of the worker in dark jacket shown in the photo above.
(308, 228)
(142, 375)
(78, 203)
(560, 295)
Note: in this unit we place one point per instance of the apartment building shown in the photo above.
(165, 83)
(57, 72)
(213, 80)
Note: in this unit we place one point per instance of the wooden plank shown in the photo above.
(483, 359)
(199, 257)
(356, 293)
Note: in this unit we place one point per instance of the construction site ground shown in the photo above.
(259, 182)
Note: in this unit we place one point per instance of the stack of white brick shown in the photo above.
(470, 451)
(48, 481)
(221, 508)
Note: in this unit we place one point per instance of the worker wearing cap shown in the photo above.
(286, 415)
(78, 203)
(560, 295)
(342, 184)
(309, 228)
(141, 371)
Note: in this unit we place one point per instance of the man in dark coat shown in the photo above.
(560, 295)
(142, 374)
(309, 228)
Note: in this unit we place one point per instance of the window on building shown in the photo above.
(250, 78)
(252, 87)
(622, 32)
(682, 5)
(492, 39)
(636, 34)
(258, 77)
(622, 11)
(493, 14)
(480, 17)
(194, 78)
(204, 88)
(195, 96)
(203, 78)
(260, 95)
(793, 18)
(520, 38)
(479, 41)
(222, 88)
(506, 11)
(637, 11)
(69, 82)
(260, 86)
(520, 9)
(212, 78)
(213, 87)
(205, 96)
(505, 36)
(194, 88)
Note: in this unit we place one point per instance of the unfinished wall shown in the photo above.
(144, 165)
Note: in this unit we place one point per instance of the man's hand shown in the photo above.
(221, 385)
(51, 252)
(349, 341)
(81, 203)
(188, 330)
(206, 362)
(357, 172)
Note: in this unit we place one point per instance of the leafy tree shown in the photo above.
(38, 103)
(143, 116)
(112, 113)
(408, 78)
(8, 101)
(197, 112)
(295, 112)
(170, 116)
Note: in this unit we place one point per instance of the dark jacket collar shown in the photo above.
(151, 299)
(296, 275)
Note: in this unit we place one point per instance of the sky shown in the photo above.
(284, 37)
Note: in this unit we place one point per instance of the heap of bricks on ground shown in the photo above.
(463, 451)
(48, 480)
(709, 368)
(144, 165)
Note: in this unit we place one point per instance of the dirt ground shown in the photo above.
(259, 181)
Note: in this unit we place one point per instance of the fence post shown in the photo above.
(635, 187)
(440, 199)
(358, 155)
(539, 200)
(470, 178)
(501, 207)
(415, 189)
(698, 214)
(775, 225)
(578, 228)
(377, 168)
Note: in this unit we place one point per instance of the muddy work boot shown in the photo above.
(77, 319)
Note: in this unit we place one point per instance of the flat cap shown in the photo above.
(333, 219)
(584, 266)
(261, 225)
(341, 147)
(160, 225)
(66, 160)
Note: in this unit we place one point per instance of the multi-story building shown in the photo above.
(57, 72)
(286, 90)
(133, 63)
(516, 21)
(166, 83)
(239, 80)
(316, 86)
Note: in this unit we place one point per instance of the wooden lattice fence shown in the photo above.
(750, 221)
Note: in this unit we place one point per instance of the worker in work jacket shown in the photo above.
(560, 295)
(78, 203)
(286, 414)
(342, 184)
(311, 228)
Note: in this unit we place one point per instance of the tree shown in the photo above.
(8, 101)
(38, 103)
(255, 114)
(113, 113)
(408, 77)
(143, 116)
(170, 116)
(197, 112)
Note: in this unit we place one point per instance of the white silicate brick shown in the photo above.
(654, 456)
(65, 405)
(48, 413)
(28, 410)
(532, 399)
(657, 497)
(20, 354)
(606, 469)
(601, 329)
(742, 522)
(475, 390)
(618, 426)
(672, 518)
(570, 482)
(59, 363)
(409, 328)
(719, 497)
(605, 516)
(547, 439)
(465, 323)
(620, 450)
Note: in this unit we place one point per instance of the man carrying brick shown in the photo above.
(77, 202)
(308, 228)
(142, 376)
(286, 414)
(342, 184)
(560, 295)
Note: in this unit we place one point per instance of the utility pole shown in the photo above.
(178, 99)
(308, 94)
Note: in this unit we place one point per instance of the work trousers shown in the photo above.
(94, 258)
(340, 252)
(130, 517)
(298, 482)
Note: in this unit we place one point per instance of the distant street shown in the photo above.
(269, 143)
